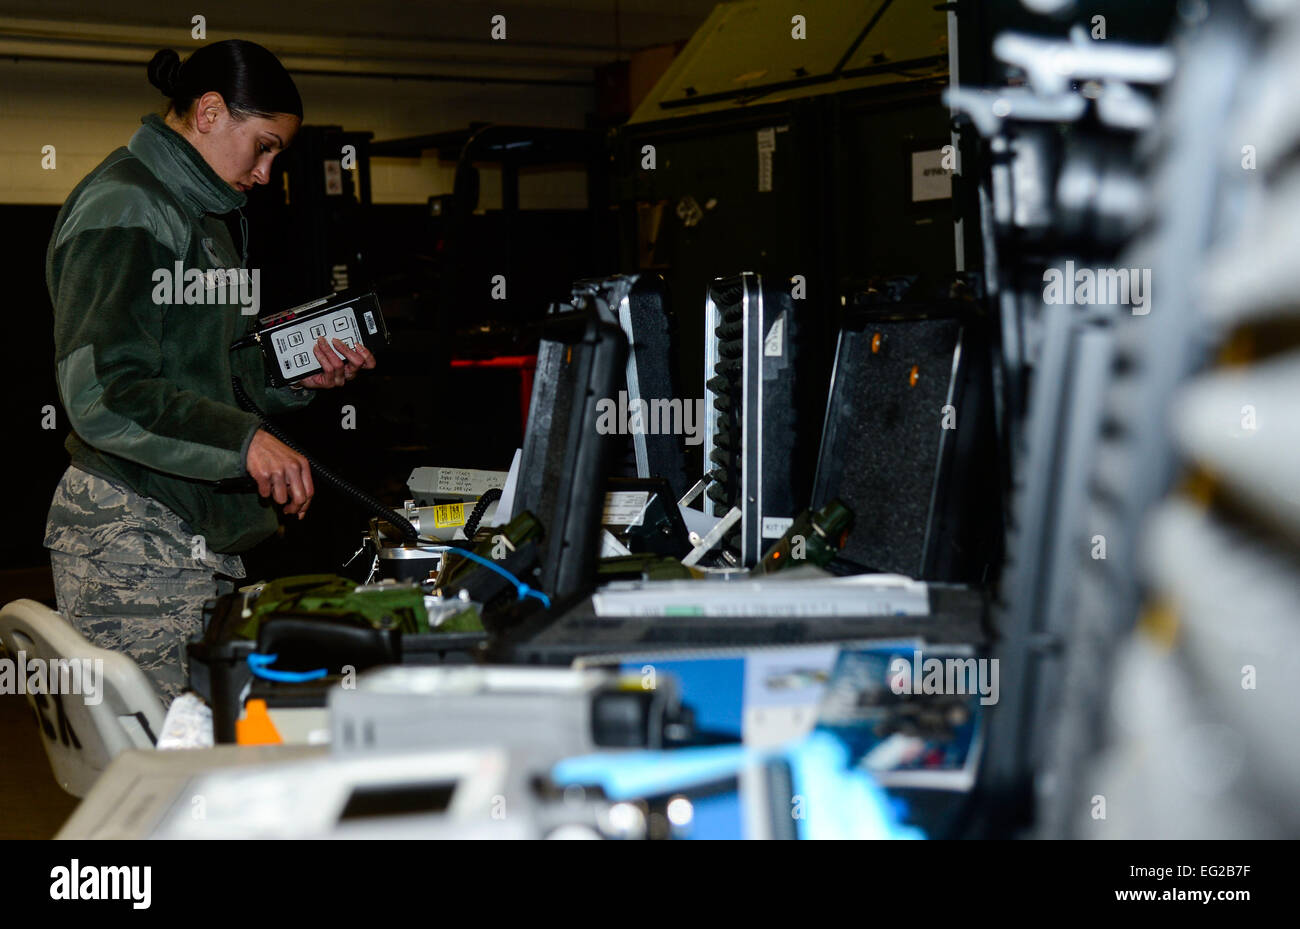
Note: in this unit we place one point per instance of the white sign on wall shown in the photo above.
(930, 179)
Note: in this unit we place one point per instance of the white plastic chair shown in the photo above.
(80, 739)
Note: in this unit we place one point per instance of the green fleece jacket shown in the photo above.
(144, 377)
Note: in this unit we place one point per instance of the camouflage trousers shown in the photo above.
(128, 577)
(147, 612)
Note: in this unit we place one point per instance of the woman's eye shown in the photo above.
(262, 148)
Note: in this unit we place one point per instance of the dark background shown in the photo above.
(838, 213)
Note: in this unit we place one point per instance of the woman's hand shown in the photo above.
(336, 372)
(281, 473)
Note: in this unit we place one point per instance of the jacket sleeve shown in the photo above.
(252, 374)
(107, 337)
(286, 399)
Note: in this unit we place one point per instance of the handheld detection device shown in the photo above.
(288, 337)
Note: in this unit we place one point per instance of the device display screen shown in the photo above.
(397, 800)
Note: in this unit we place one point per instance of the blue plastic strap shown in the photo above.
(523, 589)
(258, 664)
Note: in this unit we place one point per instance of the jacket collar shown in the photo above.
(178, 164)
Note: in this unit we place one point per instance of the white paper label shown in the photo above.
(466, 482)
(774, 342)
(625, 507)
(930, 179)
(333, 178)
(775, 526)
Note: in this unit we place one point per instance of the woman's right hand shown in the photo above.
(281, 473)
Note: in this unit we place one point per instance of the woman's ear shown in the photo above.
(208, 110)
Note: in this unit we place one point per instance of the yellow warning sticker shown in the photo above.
(448, 515)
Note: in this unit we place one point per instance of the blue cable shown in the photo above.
(258, 663)
(524, 589)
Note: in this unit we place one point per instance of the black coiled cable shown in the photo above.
(476, 515)
(356, 494)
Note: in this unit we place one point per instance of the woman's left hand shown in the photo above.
(335, 371)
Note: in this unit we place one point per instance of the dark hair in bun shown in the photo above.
(163, 71)
(249, 78)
